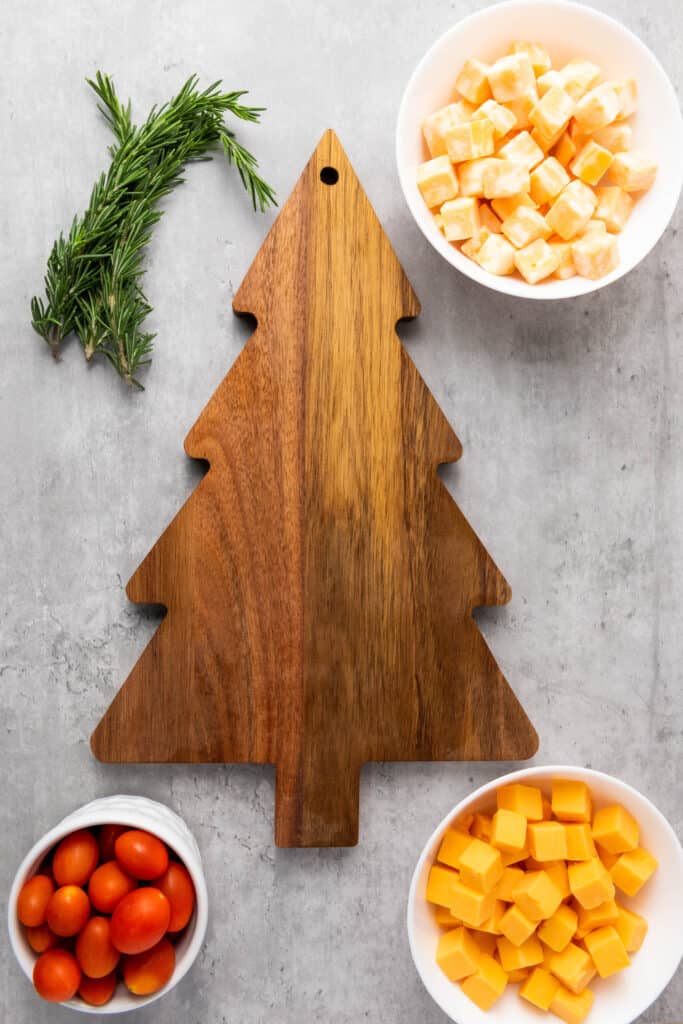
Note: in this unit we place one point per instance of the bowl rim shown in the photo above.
(534, 771)
(509, 285)
(101, 814)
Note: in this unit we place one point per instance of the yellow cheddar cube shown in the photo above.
(511, 77)
(480, 865)
(509, 831)
(440, 885)
(516, 926)
(470, 140)
(598, 107)
(573, 967)
(605, 913)
(563, 250)
(578, 76)
(482, 826)
(558, 873)
(504, 208)
(492, 924)
(487, 942)
(547, 180)
(547, 839)
(513, 957)
(559, 930)
(457, 954)
(522, 149)
(524, 226)
(472, 82)
(580, 845)
(471, 175)
(632, 929)
(514, 977)
(537, 895)
(471, 248)
(570, 1008)
(539, 57)
(540, 988)
(595, 255)
(565, 149)
(436, 181)
(526, 800)
(632, 870)
(522, 107)
(460, 218)
(487, 985)
(572, 210)
(633, 172)
(590, 883)
(471, 906)
(488, 219)
(627, 91)
(502, 119)
(545, 142)
(615, 830)
(445, 919)
(552, 112)
(535, 262)
(503, 179)
(615, 137)
(591, 163)
(508, 880)
(571, 800)
(452, 845)
(614, 207)
(607, 951)
(498, 257)
(549, 80)
(437, 124)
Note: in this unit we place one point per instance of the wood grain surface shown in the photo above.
(320, 580)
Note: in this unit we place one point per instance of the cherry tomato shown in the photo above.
(75, 858)
(140, 920)
(56, 975)
(41, 938)
(178, 889)
(141, 855)
(107, 837)
(68, 910)
(97, 991)
(94, 950)
(148, 972)
(109, 884)
(33, 899)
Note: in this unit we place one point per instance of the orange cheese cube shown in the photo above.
(508, 880)
(535, 262)
(571, 800)
(522, 107)
(597, 917)
(503, 179)
(522, 150)
(591, 162)
(436, 181)
(502, 119)
(488, 219)
(514, 977)
(516, 926)
(598, 107)
(460, 218)
(471, 178)
(452, 845)
(471, 906)
(470, 140)
(471, 248)
(539, 57)
(590, 883)
(480, 865)
(482, 826)
(513, 958)
(540, 988)
(632, 870)
(559, 930)
(457, 954)
(437, 124)
(607, 951)
(615, 830)
(615, 137)
(524, 226)
(537, 895)
(572, 210)
(633, 172)
(498, 257)
(492, 924)
(511, 77)
(565, 149)
(508, 857)
(608, 859)
(552, 112)
(580, 845)
(571, 1008)
(578, 76)
(503, 209)
(547, 180)
(632, 929)
(487, 985)
(445, 919)
(547, 839)
(563, 250)
(614, 207)
(472, 82)
(509, 830)
(558, 873)
(440, 885)
(486, 941)
(573, 967)
(545, 142)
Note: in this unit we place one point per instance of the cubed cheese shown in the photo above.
(470, 140)
(511, 77)
(522, 149)
(471, 906)
(570, 1008)
(502, 119)
(572, 210)
(627, 91)
(437, 124)
(632, 929)
(440, 885)
(591, 162)
(522, 107)
(471, 175)
(472, 82)
(589, 880)
(526, 800)
(599, 106)
(563, 250)
(509, 879)
(524, 226)
(580, 845)
(516, 926)
(505, 207)
(547, 839)
(537, 54)
(445, 919)
(457, 954)
(460, 218)
(565, 149)
(552, 112)
(633, 172)
(573, 967)
(498, 257)
(615, 830)
(480, 865)
(540, 988)
(436, 181)
(509, 830)
(578, 76)
(559, 930)
(536, 894)
(536, 261)
(616, 137)
(452, 845)
(571, 801)
(547, 81)
(632, 870)
(487, 984)
(607, 951)
(503, 178)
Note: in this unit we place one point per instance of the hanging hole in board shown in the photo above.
(329, 175)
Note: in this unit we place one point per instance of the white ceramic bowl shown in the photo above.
(138, 812)
(619, 999)
(567, 30)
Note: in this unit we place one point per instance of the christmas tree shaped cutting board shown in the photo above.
(320, 580)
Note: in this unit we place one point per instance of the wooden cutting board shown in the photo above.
(320, 580)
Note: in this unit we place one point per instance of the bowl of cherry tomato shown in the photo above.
(108, 911)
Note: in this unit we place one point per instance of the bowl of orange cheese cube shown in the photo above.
(553, 891)
(538, 147)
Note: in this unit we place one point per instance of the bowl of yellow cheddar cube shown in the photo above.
(538, 146)
(552, 890)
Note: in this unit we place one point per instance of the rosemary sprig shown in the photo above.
(93, 277)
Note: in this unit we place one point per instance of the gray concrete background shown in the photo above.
(571, 419)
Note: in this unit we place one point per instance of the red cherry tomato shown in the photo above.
(178, 889)
(108, 885)
(75, 858)
(68, 910)
(148, 972)
(107, 837)
(33, 899)
(97, 991)
(95, 953)
(140, 920)
(56, 975)
(141, 855)
(41, 938)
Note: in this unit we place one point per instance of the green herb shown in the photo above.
(93, 278)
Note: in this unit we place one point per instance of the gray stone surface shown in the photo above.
(570, 417)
